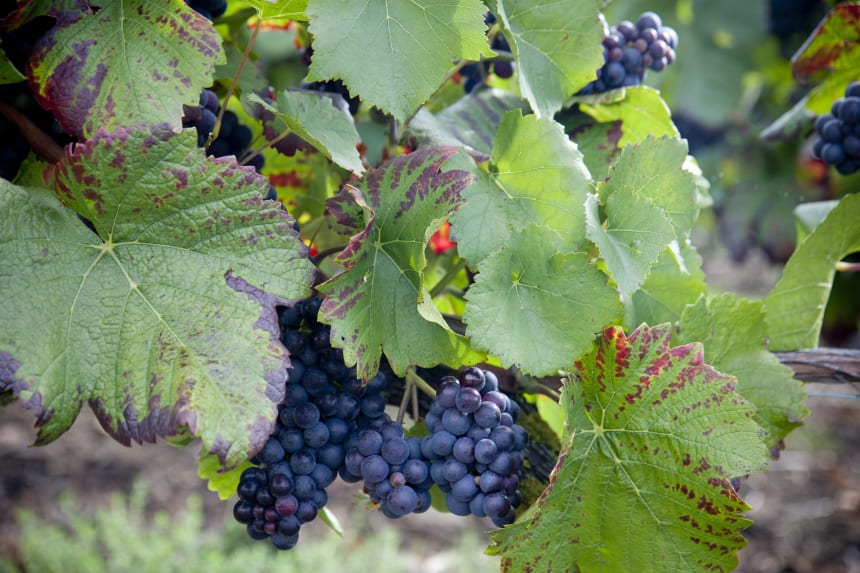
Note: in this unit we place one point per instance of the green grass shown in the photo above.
(123, 538)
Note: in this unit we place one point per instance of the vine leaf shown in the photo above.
(312, 117)
(536, 175)
(734, 334)
(672, 187)
(471, 122)
(635, 233)
(642, 482)
(380, 303)
(132, 61)
(224, 483)
(163, 319)
(9, 74)
(413, 45)
(833, 45)
(675, 281)
(795, 307)
(538, 308)
(557, 49)
(276, 9)
(642, 113)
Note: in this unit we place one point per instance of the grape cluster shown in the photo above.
(331, 425)
(336, 88)
(474, 74)
(233, 138)
(838, 141)
(209, 8)
(391, 465)
(629, 50)
(476, 446)
(324, 407)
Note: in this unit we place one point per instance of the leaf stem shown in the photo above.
(231, 88)
(532, 386)
(419, 382)
(450, 275)
(404, 401)
(846, 267)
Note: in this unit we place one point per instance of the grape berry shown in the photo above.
(330, 425)
(838, 132)
(629, 50)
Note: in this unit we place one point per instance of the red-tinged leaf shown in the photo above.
(131, 61)
(380, 303)
(163, 319)
(833, 45)
(642, 483)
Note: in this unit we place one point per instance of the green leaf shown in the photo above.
(674, 282)
(132, 61)
(810, 215)
(795, 307)
(9, 74)
(275, 9)
(164, 318)
(413, 46)
(734, 334)
(655, 169)
(634, 235)
(642, 112)
(557, 48)
(536, 307)
(834, 45)
(642, 482)
(224, 483)
(380, 302)
(471, 122)
(536, 176)
(598, 142)
(314, 118)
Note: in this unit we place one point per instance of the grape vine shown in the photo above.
(270, 225)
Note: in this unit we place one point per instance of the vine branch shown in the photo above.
(40, 141)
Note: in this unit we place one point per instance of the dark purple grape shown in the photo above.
(374, 469)
(496, 505)
(851, 145)
(306, 415)
(452, 470)
(850, 111)
(302, 462)
(648, 20)
(416, 471)
(304, 488)
(447, 392)
(402, 500)
(488, 415)
(307, 511)
(853, 89)
(369, 442)
(286, 505)
(395, 451)
(503, 68)
(467, 400)
(464, 489)
(284, 542)
(486, 451)
(832, 153)
(832, 131)
(464, 450)
(456, 422)
(242, 511)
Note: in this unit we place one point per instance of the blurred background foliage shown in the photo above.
(732, 79)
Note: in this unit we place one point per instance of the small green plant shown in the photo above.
(123, 537)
